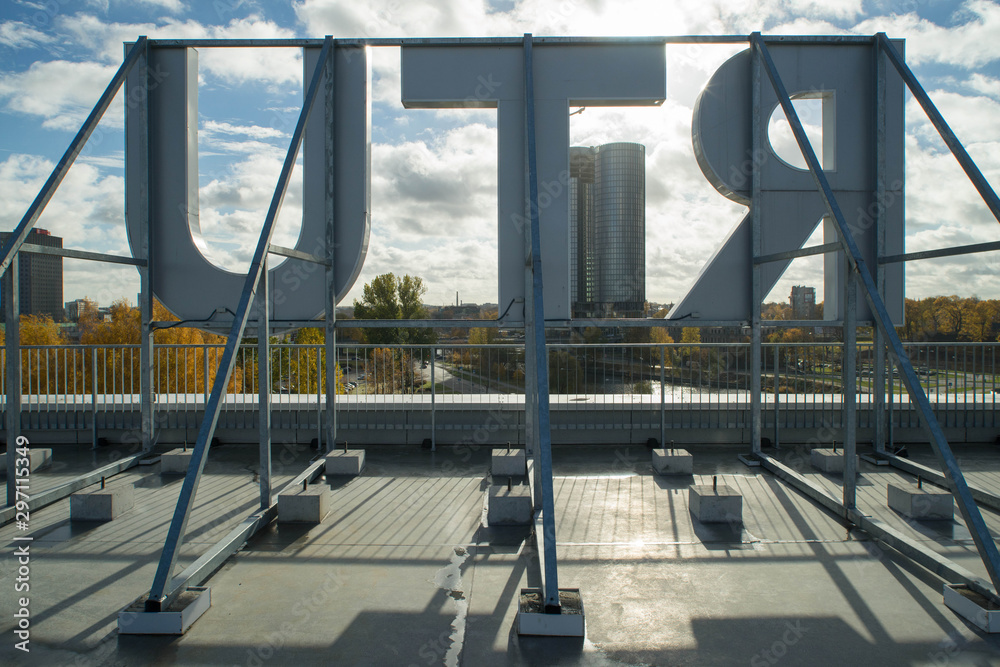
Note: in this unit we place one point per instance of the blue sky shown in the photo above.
(434, 172)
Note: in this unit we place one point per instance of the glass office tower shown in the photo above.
(608, 230)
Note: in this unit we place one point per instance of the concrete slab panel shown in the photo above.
(926, 502)
(300, 505)
(673, 462)
(345, 462)
(720, 504)
(102, 504)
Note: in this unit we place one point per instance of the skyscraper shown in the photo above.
(40, 277)
(608, 230)
(803, 302)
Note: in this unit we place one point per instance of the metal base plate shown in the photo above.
(972, 607)
(532, 620)
(187, 609)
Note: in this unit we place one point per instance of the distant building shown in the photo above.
(607, 192)
(803, 302)
(73, 309)
(40, 277)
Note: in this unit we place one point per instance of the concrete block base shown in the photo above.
(921, 503)
(673, 462)
(101, 504)
(532, 619)
(304, 505)
(973, 607)
(349, 462)
(827, 460)
(509, 507)
(38, 458)
(720, 505)
(505, 463)
(176, 461)
(175, 620)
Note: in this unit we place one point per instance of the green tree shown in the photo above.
(388, 297)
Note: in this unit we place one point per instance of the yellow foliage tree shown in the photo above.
(40, 366)
(304, 364)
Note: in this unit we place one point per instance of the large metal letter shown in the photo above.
(790, 208)
(492, 77)
(190, 286)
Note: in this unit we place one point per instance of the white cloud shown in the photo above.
(970, 43)
(210, 127)
(445, 186)
(59, 91)
(987, 85)
(276, 66)
(20, 35)
(232, 208)
(173, 6)
(86, 211)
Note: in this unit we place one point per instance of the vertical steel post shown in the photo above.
(264, 385)
(878, 388)
(146, 253)
(756, 353)
(12, 349)
(536, 317)
(849, 377)
(777, 402)
(330, 330)
(663, 415)
(433, 405)
(93, 395)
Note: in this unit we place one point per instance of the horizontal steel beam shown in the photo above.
(71, 253)
(508, 41)
(295, 254)
(801, 252)
(930, 560)
(941, 252)
(69, 488)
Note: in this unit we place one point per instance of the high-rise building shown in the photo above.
(40, 277)
(608, 230)
(803, 302)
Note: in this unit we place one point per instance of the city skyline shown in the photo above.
(434, 171)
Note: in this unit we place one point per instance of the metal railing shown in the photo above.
(702, 385)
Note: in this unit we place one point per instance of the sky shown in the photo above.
(434, 173)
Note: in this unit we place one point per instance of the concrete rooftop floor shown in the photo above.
(402, 571)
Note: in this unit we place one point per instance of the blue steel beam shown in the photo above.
(159, 598)
(956, 147)
(967, 505)
(59, 173)
(550, 584)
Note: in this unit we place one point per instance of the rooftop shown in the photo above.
(403, 571)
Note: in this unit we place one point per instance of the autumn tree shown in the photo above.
(40, 367)
(309, 364)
